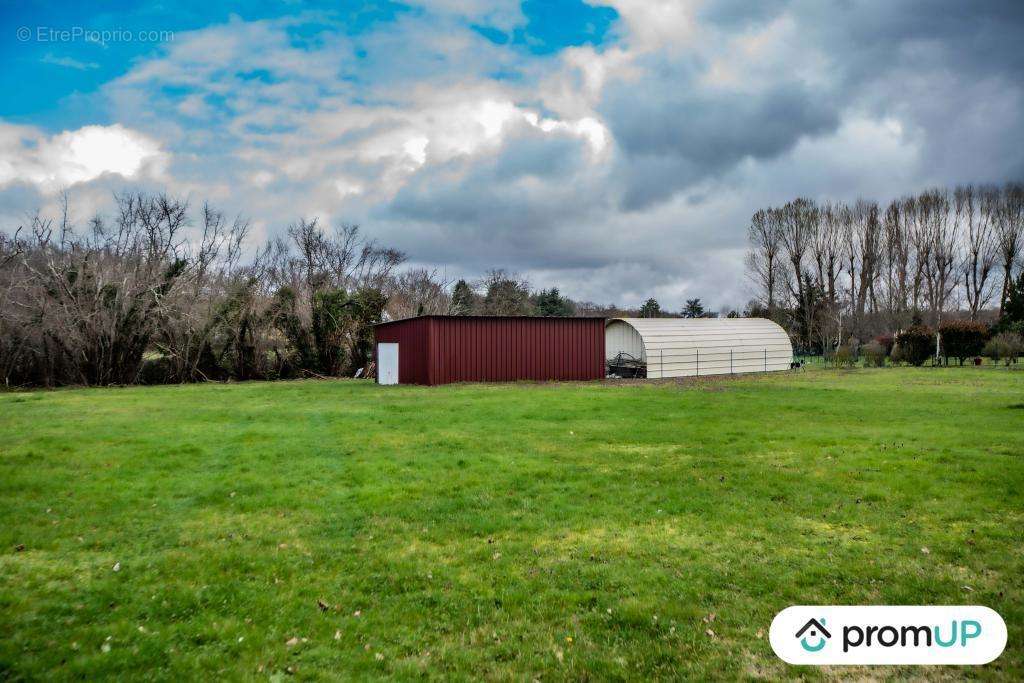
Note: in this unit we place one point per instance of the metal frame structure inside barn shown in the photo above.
(439, 349)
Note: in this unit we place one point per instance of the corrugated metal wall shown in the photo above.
(447, 349)
(681, 347)
(411, 336)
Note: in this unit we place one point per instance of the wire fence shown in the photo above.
(691, 362)
(819, 360)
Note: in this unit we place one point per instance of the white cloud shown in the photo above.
(68, 62)
(659, 24)
(76, 156)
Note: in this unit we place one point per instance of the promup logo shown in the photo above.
(817, 629)
(967, 634)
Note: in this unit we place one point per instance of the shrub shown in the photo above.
(843, 357)
(887, 341)
(915, 344)
(962, 339)
(154, 371)
(1005, 346)
(874, 354)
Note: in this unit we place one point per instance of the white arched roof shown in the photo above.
(680, 347)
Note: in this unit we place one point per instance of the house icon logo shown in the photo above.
(815, 630)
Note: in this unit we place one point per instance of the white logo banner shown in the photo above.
(887, 635)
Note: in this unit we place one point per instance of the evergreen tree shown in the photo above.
(463, 299)
(1013, 306)
(650, 309)
(693, 309)
(551, 304)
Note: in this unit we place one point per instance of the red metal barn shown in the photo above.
(439, 349)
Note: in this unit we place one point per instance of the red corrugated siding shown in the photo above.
(411, 336)
(440, 350)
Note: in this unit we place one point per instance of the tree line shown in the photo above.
(834, 272)
(158, 291)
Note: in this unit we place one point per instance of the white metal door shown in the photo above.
(387, 363)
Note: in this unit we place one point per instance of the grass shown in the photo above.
(338, 529)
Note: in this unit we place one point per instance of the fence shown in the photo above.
(690, 362)
(819, 360)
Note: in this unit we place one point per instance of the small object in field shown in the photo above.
(322, 605)
(924, 549)
(357, 613)
(337, 635)
(292, 642)
(710, 633)
(117, 566)
(19, 548)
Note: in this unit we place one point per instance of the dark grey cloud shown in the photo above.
(740, 14)
(673, 137)
(951, 72)
(519, 204)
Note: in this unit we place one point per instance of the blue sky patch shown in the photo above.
(552, 25)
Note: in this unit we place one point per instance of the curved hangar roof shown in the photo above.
(681, 347)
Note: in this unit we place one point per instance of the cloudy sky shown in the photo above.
(613, 148)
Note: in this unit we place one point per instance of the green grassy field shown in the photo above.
(339, 529)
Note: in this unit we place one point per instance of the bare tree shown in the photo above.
(941, 264)
(799, 219)
(95, 298)
(763, 259)
(1009, 228)
(189, 321)
(919, 239)
(827, 248)
(868, 242)
(896, 258)
(976, 209)
(417, 292)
